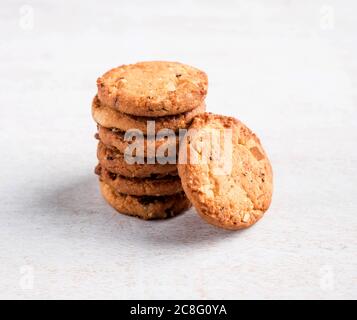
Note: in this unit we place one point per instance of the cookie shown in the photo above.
(115, 162)
(145, 207)
(165, 186)
(153, 88)
(233, 193)
(114, 138)
(111, 118)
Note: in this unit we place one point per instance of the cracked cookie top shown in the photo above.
(153, 88)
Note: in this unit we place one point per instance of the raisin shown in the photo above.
(112, 175)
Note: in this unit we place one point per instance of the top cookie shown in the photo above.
(230, 181)
(153, 88)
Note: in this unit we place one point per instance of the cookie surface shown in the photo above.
(153, 88)
(233, 198)
(111, 118)
(145, 207)
(115, 162)
(165, 186)
(114, 138)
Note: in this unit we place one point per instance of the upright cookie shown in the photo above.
(111, 118)
(115, 162)
(153, 88)
(233, 192)
(145, 207)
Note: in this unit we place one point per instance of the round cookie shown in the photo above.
(111, 118)
(115, 162)
(168, 185)
(145, 207)
(153, 88)
(114, 138)
(233, 191)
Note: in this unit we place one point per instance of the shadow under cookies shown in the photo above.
(78, 208)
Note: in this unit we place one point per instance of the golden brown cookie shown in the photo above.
(165, 186)
(153, 88)
(145, 207)
(111, 118)
(115, 162)
(231, 197)
(114, 138)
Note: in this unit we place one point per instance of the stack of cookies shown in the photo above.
(145, 98)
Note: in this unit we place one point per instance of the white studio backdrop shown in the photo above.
(287, 69)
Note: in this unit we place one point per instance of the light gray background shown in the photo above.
(287, 69)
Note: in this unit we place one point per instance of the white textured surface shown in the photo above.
(285, 69)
